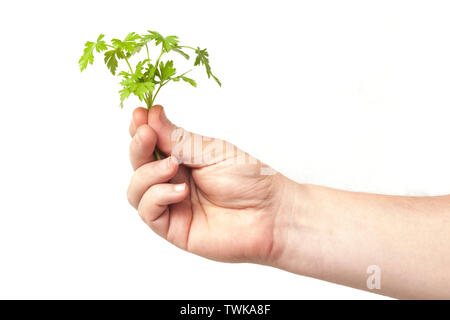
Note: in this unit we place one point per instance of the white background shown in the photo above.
(348, 94)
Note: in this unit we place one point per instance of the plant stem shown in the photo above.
(128, 63)
(148, 54)
(159, 88)
(156, 93)
(151, 97)
(184, 73)
(157, 62)
(149, 102)
(187, 47)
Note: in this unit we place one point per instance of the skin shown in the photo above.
(224, 209)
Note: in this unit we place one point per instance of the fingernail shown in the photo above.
(180, 187)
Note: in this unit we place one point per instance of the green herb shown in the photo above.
(147, 78)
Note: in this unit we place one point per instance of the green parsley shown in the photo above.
(147, 78)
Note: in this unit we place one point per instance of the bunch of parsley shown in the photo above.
(146, 79)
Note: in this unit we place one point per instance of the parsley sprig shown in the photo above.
(147, 78)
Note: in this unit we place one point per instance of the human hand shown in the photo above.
(222, 206)
(219, 205)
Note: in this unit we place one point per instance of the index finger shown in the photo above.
(139, 117)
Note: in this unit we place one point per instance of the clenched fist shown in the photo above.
(206, 196)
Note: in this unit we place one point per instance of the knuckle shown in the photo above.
(154, 193)
(142, 176)
(145, 204)
(143, 216)
(130, 197)
(132, 128)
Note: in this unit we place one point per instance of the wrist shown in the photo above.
(299, 233)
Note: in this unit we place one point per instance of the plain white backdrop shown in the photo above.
(348, 94)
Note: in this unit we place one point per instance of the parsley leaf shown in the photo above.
(135, 84)
(129, 45)
(186, 79)
(203, 59)
(178, 50)
(168, 42)
(166, 70)
(88, 53)
(111, 61)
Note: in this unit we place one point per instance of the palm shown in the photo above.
(228, 214)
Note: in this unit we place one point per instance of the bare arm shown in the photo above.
(336, 235)
(227, 210)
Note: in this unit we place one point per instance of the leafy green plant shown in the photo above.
(147, 78)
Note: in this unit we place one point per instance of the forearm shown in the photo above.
(336, 235)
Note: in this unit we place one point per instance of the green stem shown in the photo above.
(159, 88)
(156, 93)
(187, 47)
(149, 102)
(156, 64)
(156, 152)
(148, 54)
(129, 66)
(184, 73)
(152, 98)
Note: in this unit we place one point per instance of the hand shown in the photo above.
(218, 205)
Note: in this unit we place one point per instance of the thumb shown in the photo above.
(163, 128)
(191, 149)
